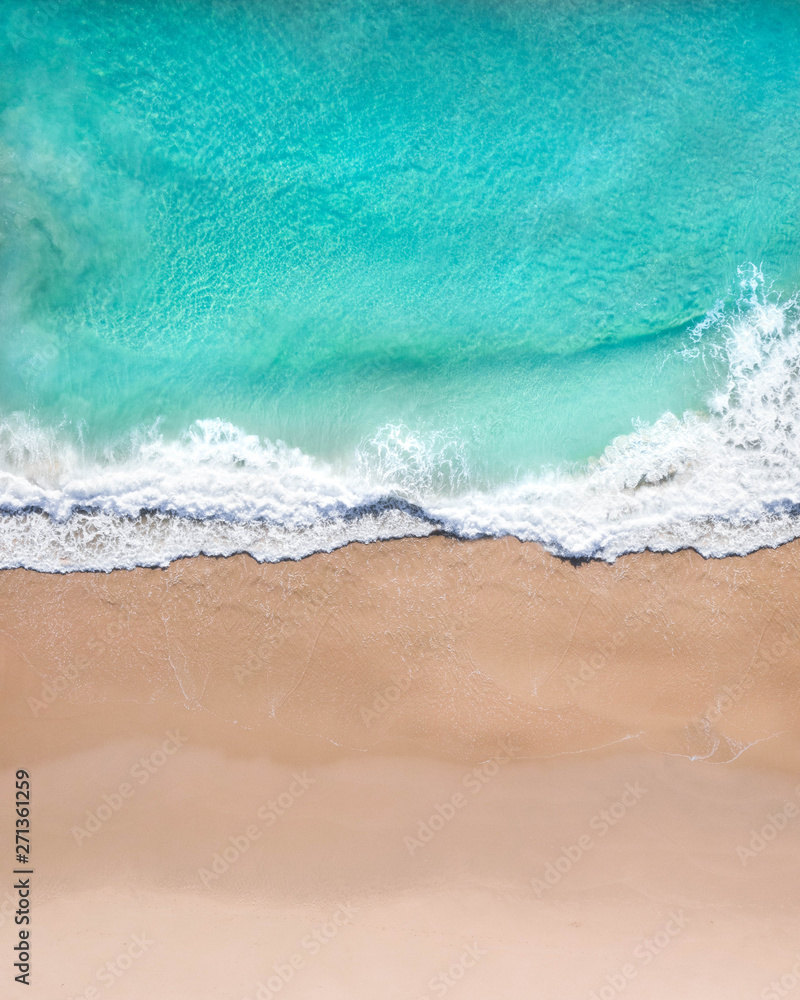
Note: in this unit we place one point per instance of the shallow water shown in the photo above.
(441, 250)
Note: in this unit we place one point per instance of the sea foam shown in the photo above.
(723, 482)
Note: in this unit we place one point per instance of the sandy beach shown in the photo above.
(433, 645)
(408, 768)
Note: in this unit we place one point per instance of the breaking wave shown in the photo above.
(726, 481)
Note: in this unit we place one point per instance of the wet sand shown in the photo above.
(406, 770)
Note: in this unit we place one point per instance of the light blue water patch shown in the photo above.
(484, 228)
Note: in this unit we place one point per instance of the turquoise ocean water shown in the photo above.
(278, 275)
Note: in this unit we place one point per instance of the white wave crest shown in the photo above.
(725, 482)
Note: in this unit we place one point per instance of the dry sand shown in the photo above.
(411, 769)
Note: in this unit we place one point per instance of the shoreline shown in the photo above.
(648, 518)
(575, 561)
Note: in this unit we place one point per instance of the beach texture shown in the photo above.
(475, 643)
(429, 754)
